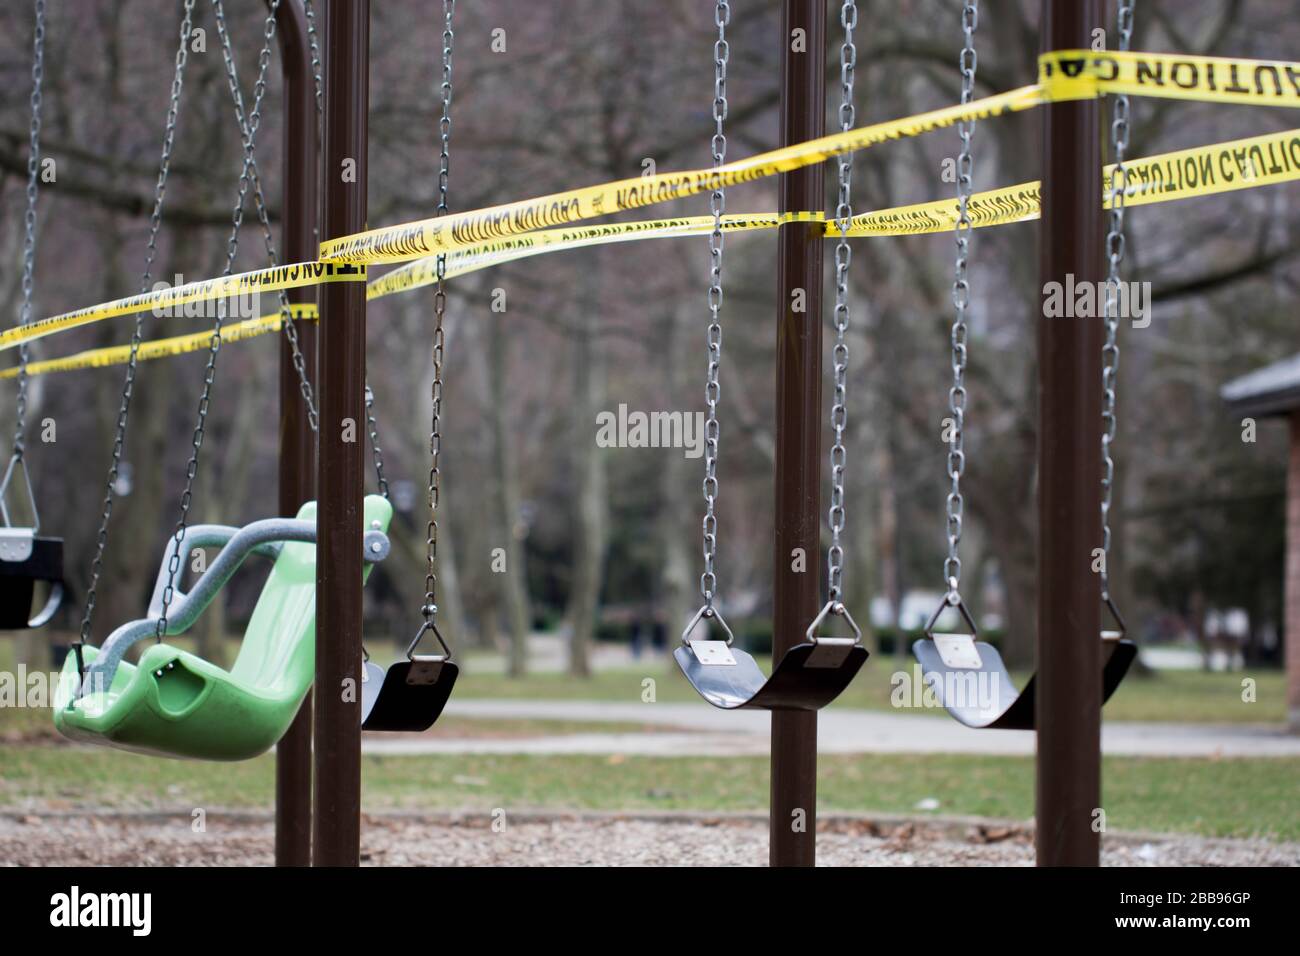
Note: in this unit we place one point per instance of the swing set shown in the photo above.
(173, 703)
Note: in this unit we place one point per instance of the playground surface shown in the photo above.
(588, 839)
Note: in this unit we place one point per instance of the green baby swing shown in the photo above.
(171, 702)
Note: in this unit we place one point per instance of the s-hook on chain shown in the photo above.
(961, 300)
(248, 136)
(137, 334)
(1119, 133)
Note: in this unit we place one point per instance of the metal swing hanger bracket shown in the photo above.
(18, 462)
(1121, 629)
(957, 650)
(832, 651)
(710, 652)
(429, 626)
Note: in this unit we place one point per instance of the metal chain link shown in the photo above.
(309, 10)
(430, 608)
(29, 225)
(961, 300)
(372, 423)
(376, 452)
(712, 388)
(264, 218)
(1119, 135)
(248, 136)
(840, 354)
(137, 334)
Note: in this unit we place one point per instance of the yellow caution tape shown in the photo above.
(1064, 74)
(414, 240)
(1202, 170)
(272, 279)
(164, 348)
(1199, 171)
(423, 272)
(1083, 74)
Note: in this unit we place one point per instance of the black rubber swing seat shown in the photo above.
(412, 693)
(409, 696)
(26, 559)
(808, 677)
(983, 697)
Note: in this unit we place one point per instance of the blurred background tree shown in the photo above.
(600, 542)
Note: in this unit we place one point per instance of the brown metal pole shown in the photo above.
(297, 446)
(796, 594)
(336, 831)
(1069, 469)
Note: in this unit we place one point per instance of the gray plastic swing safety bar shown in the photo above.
(265, 538)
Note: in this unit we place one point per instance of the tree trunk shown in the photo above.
(512, 584)
(589, 468)
(675, 591)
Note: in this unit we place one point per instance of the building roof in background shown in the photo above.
(1271, 390)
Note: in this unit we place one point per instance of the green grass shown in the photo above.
(1225, 798)
(29, 725)
(1174, 696)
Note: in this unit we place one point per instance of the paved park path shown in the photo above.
(706, 731)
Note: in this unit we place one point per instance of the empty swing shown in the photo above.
(28, 558)
(171, 702)
(968, 675)
(814, 672)
(411, 694)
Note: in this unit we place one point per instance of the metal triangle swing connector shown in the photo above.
(956, 650)
(425, 668)
(1117, 633)
(708, 652)
(20, 463)
(831, 651)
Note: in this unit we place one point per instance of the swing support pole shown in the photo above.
(297, 446)
(1068, 786)
(341, 372)
(796, 591)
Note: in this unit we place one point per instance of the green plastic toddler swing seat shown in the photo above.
(175, 704)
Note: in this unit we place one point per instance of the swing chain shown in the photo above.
(957, 394)
(309, 10)
(29, 225)
(712, 388)
(248, 135)
(376, 453)
(430, 608)
(263, 216)
(1119, 136)
(18, 461)
(840, 354)
(137, 335)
